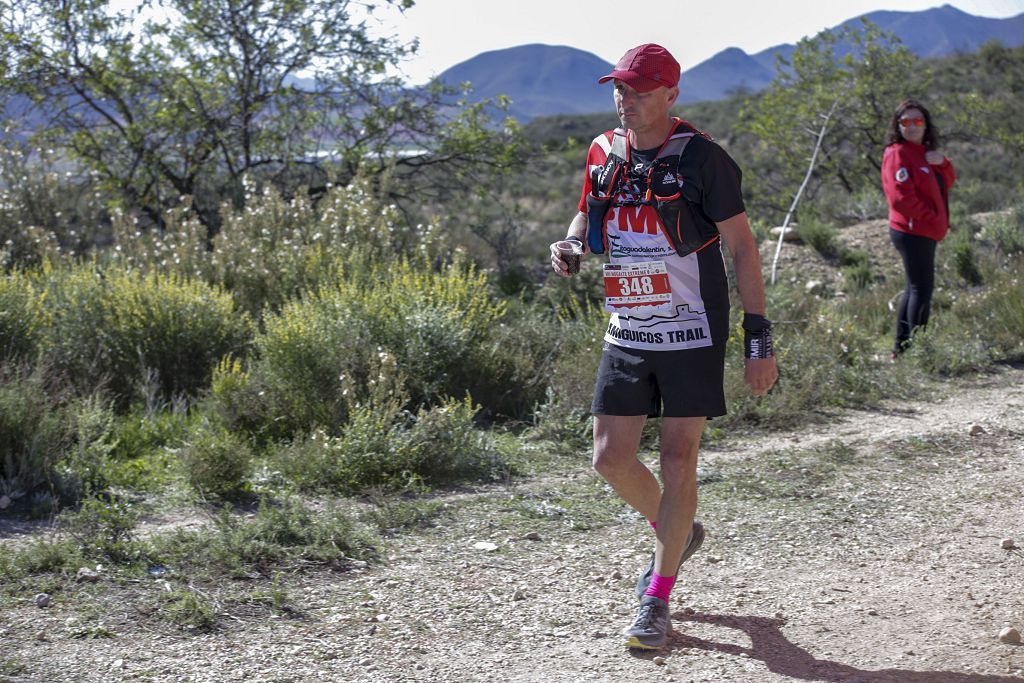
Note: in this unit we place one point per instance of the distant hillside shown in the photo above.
(545, 80)
(540, 79)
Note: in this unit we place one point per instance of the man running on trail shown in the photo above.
(659, 197)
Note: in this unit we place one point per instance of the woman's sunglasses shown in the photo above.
(907, 121)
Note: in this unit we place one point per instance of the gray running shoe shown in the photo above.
(693, 543)
(651, 626)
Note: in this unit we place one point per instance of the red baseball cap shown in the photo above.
(645, 68)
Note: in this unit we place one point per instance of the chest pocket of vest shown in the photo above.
(677, 202)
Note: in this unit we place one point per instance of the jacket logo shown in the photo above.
(925, 169)
(902, 175)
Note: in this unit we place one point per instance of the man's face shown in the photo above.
(639, 111)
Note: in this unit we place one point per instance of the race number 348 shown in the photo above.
(629, 286)
(636, 285)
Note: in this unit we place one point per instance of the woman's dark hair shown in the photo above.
(893, 135)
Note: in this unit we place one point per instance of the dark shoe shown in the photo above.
(693, 542)
(651, 626)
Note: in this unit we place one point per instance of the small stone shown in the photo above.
(5, 502)
(975, 430)
(532, 536)
(689, 611)
(714, 560)
(814, 286)
(41, 635)
(1007, 544)
(42, 600)
(519, 595)
(789, 233)
(873, 612)
(660, 661)
(117, 664)
(86, 575)
(779, 615)
(598, 634)
(1009, 635)
(485, 545)
(616, 575)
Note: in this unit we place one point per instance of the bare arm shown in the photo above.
(577, 229)
(759, 374)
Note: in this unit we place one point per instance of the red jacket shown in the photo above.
(918, 201)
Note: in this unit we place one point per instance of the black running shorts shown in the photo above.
(683, 383)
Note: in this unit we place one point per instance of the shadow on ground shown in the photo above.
(769, 645)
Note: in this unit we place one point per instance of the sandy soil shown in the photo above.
(892, 573)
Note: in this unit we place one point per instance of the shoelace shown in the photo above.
(644, 616)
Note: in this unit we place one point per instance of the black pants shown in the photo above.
(919, 267)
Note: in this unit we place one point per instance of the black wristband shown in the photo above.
(757, 337)
(752, 322)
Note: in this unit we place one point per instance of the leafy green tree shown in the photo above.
(859, 75)
(189, 102)
(989, 109)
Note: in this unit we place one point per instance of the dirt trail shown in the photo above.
(895, 575)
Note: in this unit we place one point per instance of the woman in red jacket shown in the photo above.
(916, 179)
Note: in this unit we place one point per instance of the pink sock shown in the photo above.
(654, 525)
(661, 586)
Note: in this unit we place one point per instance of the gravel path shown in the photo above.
(891, 570)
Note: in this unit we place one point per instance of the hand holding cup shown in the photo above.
(569, 252)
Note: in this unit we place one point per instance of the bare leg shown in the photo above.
(680, 441)
(616, 441)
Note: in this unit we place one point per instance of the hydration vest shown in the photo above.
(685, 226)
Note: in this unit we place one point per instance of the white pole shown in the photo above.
(807, 177)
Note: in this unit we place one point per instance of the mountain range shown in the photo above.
(543, 80)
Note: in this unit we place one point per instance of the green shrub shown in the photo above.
(103, 529)
(188, 609)
(217, 462)
(392, 514)
(282, 535)
(84, 469)
(35, 430)
(826, 360)
(1006, 231)
(562, 418)
(389, 449)
(19, 317)
(432, 321)
(415, 331)
(822, 236)
(963, 256)
(47, 210)
(314, 363)
(856, 267)
(274, 249)
(138, 334)
(842, 208)
(146, 444)
(509, 372)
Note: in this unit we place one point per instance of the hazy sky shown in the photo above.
(452, 31)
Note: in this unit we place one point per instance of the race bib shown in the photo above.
(637, 286)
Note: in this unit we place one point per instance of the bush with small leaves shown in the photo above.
(124, 331)
(36, 428)
(217, 462)
(19, 317)
(103, 528)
